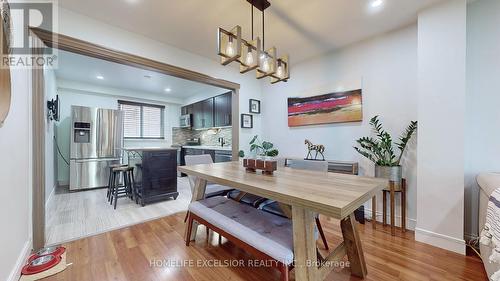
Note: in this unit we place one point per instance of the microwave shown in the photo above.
(185, 121)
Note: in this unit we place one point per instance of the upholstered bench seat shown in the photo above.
(265, 232)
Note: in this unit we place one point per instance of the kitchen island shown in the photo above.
(156, 173)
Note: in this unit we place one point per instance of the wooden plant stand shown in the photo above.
(392, 195)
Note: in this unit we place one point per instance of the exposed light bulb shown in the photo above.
(249, 58)
(230, 47)
(265, 65)
(279, 71)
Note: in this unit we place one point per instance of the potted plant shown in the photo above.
(263, 148)
(381, 150)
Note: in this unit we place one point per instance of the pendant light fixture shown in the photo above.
(252, 54)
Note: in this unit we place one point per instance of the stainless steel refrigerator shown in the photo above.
(96, 142)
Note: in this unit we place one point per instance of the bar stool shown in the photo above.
(111, 179)
(125, 190)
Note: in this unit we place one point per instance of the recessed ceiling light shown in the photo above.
(168, 90)
(100, 77)
(377, 3)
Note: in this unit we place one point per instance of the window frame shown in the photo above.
(141, 121)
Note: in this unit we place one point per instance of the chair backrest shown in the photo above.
(319, 166)
(281, 161)
(196, 160)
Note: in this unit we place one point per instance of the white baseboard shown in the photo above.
(410, 223)
(441, 241)
(15, 274)
(470, 236)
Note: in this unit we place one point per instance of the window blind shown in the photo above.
(142, 121)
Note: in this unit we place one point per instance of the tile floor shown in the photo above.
(74, 215)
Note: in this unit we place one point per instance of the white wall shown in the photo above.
(73, 93)
(482, 139)
(385, 68)
(85, 28)
(50, 164)
(15, 175)
(441, 111)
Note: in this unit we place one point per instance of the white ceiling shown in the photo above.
(302, 28)
(84, 69)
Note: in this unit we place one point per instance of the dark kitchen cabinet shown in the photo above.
(188, 109)
(208, 113)
(222, 110)
(198, 115)
(212, 112)
(203, 114)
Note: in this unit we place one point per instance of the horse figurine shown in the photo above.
(319, 148)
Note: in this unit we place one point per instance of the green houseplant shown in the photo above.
(263, 148)
(382, 150)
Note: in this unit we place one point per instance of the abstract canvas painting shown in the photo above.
(324, 109)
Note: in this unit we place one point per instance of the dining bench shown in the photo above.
(264, 235)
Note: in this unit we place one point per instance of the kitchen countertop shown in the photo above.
(208, 147)
(149, 148)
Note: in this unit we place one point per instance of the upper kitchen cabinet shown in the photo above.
(212, 112)
(222, 110)
(208, 113)
(203, 114)
(197, 115)
(188, 109)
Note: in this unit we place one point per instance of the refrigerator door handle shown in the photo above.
(95, 160)
(99, 132)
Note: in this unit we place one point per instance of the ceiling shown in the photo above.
(85, 69)
(304, 29)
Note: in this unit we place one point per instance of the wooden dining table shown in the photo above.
(305, 193)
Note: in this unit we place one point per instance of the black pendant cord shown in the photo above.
(263, 32)
(252, 19)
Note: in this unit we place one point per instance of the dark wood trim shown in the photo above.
(235, 108)
(38, 121)
(81, 47)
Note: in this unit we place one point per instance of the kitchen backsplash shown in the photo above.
(208, 137)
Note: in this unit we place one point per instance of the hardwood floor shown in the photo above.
(125, 254)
